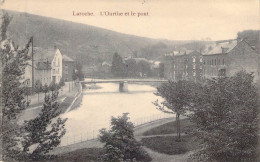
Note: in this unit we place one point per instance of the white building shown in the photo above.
(47, 66)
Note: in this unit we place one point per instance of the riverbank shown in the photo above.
(93, 148)
(65, 101)
(94, 143)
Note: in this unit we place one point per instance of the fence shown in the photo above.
(90, 135)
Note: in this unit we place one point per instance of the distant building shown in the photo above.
(105, 67)
(228, 57)
(184, 65)
(69, 67)
(222, 58)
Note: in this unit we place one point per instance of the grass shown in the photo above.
(170, 128)
(81, 155)
(168, 144)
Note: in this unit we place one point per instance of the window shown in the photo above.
(194, 66)
(223, 62)
(53, 71)
(201, 59)
(215, 61)
(194, 59)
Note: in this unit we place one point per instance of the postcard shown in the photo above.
(121, 80)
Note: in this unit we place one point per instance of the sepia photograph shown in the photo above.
(129, 80)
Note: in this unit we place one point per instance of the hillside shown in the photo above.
(84, 43)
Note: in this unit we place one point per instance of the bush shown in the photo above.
(120, 144)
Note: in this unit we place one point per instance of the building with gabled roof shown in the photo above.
(47, 65)
(228, 57)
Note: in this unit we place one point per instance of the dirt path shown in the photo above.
(139, 130)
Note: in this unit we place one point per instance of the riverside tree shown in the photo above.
(176, 97)
(225, 111)
(118, 66)
(42, 134)
(16, 139)
(13, 62)
(120, 144)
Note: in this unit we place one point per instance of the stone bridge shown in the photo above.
(123, 83)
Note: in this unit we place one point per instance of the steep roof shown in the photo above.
(67, 58)
(221, 47)
(43, 65)
(41, 54)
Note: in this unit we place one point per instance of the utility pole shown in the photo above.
(32, 66)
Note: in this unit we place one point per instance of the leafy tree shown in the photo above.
(225, 111)
(53, 87)
(177, 99)
(120, 143)
(144, 68)
(161, 70)
(45, 89)
(42, 134)
(13, 138)
(13, 63)
(251, 36)
(118, 66)
(131, 68)
(78, 74)
(38, 88)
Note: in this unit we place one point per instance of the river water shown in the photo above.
(99, 105)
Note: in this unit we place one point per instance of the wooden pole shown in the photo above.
(32, 66)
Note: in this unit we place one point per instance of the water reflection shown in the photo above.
(98, 105)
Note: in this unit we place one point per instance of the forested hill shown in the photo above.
(84, 43)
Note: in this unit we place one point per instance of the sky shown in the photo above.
(166, 19)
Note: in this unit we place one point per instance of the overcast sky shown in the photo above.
(168, 19)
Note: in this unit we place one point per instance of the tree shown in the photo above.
(53, 87)
(118, 67)
(176, 97)
(78, 74)
(161, 70)
(120, 143)
(61, 83)
(38, 88)
(45, 89)
(225, 111)
(15, 140)
(13, 62)
(251, 36)
(38, 136)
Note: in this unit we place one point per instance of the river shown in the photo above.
(99, 105)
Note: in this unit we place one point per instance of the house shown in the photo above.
(47, 67)
(69, 67)
(226, 58)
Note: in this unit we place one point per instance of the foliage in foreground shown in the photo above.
(32, 141)
(169, 145)
(120, 144)
(176, 97)
(225, 111)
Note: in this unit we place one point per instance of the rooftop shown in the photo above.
(67, 58)
(220, 47)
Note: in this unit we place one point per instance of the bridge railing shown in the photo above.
(93, 134)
